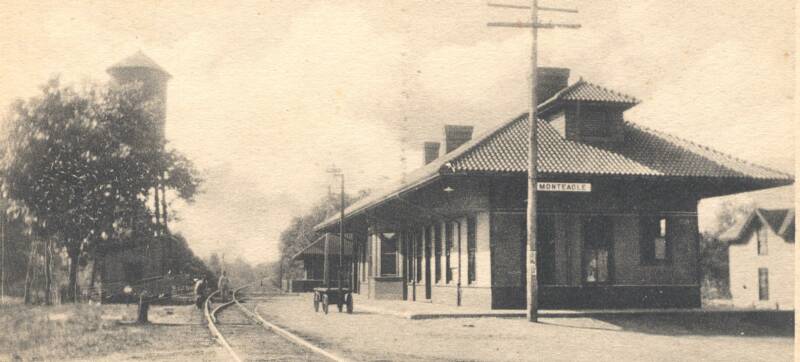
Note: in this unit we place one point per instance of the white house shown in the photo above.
(761, 256)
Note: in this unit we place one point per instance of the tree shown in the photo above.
(714, 252)
(240, 272)
(214, 263)
(79, 165)
(185, 261)
(301, 233)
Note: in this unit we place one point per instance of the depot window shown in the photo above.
(655, 240)
(388, 253)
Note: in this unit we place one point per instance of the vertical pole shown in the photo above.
(458, 284)
(156, 204)
(532, 280)
(163, 201)
(47, 275)
(341, 234)
(3, 259)
(413, 266)
(325, 276)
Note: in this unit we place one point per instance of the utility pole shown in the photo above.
(3, 259)
(338, 173)
(534, 25)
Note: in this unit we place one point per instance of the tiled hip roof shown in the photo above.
(642, 153)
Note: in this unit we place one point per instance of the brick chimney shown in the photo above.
(455, 136)
(551, 80)
(431, 151)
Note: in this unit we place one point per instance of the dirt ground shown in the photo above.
(87, 332)
(363, 336)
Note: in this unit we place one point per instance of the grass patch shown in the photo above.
(67, 331)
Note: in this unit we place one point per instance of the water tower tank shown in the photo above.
(140, 68)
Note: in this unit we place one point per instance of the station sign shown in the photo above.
(564, 186)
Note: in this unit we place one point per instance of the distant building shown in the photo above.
(761, 259)
(313, 259)
(617, 210)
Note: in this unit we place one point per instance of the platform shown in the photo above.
(426, 310)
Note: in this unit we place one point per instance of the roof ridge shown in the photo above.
(635, 100)
(555, 97)
(707, 148)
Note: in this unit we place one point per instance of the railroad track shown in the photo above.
(246, 336)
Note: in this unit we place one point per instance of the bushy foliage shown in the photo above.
(714, 252)
(78, 166)
(184, 261)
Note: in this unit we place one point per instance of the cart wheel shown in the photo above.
(325, 303)
(349, 303)
(316, 303)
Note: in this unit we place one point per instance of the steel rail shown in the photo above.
(212, 321)
(283, 332)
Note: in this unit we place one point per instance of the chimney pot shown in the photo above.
(455, 136)
(550, 81)
(431, 151)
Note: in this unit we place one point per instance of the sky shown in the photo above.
(265, 96)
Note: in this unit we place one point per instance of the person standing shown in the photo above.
(199, 292)
(223, 285)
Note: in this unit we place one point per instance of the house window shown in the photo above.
(597, 241)
(471, 249)
(448, 250)
(761, 236)
(763, 284)
(437, 252)
(388, 253)
(654, 243)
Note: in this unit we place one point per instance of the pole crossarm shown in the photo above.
(560, 10)
(520, 24)
(508, 6)
(526, 7)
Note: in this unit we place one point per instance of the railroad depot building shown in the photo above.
(617, 224)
